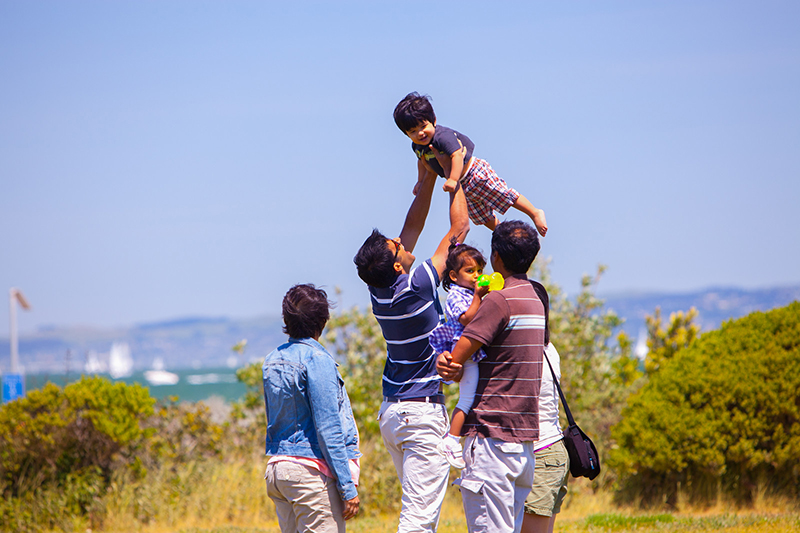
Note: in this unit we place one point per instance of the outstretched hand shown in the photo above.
(351, 508)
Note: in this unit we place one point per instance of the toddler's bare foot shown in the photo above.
(540, 222)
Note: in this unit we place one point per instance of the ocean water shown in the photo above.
(193, 385)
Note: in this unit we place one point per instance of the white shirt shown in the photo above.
(549, 428)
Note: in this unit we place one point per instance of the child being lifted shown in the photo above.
(448, 153)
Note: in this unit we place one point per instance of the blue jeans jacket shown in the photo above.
(308, 410)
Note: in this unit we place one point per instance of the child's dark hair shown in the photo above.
(457, 256)
(413, 110)
(305, 311)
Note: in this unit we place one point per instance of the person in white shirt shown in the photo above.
(552, 462)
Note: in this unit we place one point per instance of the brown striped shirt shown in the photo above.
(510, 323)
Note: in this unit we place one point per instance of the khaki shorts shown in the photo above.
(549, 481)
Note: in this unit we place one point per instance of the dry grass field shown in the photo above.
(234, 501)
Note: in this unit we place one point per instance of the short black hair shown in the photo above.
(457, 256)
(517, 244)
(413, 110)
(306, 310)
(375, 261)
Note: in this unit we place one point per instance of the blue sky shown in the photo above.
(170, 159)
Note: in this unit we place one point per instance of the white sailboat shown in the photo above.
(159, 376)
(120, 363)
(93, 364)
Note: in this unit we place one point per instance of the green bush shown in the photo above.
(51, 433)
(721, 417)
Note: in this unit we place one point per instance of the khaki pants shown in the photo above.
(305, 499)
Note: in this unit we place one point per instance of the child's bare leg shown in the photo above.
(457, 422)
(492, 223)
(537, 215)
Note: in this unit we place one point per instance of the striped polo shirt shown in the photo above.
(407, 313)
(511, 324)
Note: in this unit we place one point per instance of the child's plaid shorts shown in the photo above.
(486, 192)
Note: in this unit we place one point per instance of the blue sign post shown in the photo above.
(13, 387)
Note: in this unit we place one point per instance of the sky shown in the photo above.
(169, 159)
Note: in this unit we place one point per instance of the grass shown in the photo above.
(230, 497)
(584, 512)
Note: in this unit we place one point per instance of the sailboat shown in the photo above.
(158, 376)
(120, 363)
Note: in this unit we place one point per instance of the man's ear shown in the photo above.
(398, 267)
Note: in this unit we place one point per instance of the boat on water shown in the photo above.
(120, 362)
(158, 376)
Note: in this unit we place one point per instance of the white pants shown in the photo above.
(411, 431)
(468, 386)
(495, 483)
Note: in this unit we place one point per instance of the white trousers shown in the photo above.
(495, 483)
(411, 431)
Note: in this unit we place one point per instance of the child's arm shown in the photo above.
(453, 165)
(467, 316)
(456, 167)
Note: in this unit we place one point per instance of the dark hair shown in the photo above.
(517, 244)
(375, 262)
(306, 310)
(413, 110)
(457, 256)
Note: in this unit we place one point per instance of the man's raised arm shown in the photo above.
(459, 227)
(418, 212)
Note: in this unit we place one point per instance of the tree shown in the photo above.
(720, 417)
(663, 343)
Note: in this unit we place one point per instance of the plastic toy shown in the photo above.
(494, 281)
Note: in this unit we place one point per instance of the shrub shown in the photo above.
(52, 434)
(721, 417)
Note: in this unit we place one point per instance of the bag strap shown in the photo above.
(560, 393)
(541, 292)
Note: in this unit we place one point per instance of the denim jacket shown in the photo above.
(308, 410)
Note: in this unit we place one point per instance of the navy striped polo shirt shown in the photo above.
(407, 313)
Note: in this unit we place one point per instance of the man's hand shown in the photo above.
(447, 368)
(351, 508)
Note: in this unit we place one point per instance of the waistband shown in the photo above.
(470, 168)
(439, 398)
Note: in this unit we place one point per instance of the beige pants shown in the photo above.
(305, 499)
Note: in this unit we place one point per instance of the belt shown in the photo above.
(439, 398)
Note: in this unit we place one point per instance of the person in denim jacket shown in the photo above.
(312, 474)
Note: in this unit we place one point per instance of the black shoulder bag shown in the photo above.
(583, 458)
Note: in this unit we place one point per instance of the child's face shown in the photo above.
(467, 275)
(422, 133)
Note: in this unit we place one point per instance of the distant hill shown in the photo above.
(714, 305)
(202, 342)
(182, 343)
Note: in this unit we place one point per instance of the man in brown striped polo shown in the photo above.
(503, 423)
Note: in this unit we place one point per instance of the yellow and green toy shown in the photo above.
(495, 281)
